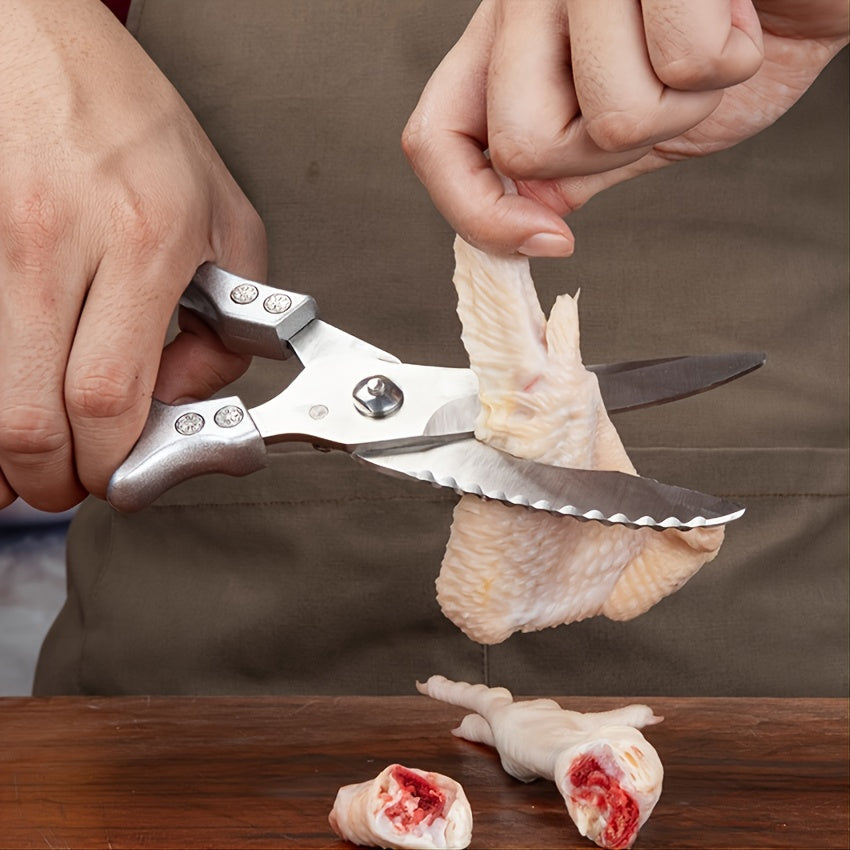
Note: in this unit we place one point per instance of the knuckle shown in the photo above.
(706, 62)
(707, 71)
(413, 138)
(107, 389)
(31, 429)
(483, 229)
(522, 157)
(618, 131)
(34, 227)
(142, 223)
(475, 233)
(424, 147)
(687, 73)
(425, 152)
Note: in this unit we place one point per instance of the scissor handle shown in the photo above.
(182, 441)
(249, 317)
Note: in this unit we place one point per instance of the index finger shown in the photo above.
(535, 126)
(114, 359)
(445, 141)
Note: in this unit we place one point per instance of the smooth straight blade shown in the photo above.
(629, 386)
(624, 386)
(468, 466)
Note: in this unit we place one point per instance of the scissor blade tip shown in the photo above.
(757, 358)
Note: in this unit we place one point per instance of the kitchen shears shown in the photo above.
(403, 419)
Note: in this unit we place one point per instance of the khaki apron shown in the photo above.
(316, 575)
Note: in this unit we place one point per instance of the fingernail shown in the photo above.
(546, 245)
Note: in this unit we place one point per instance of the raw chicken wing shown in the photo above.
(510, 569)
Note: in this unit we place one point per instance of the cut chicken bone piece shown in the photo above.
(509, 569)
(609, 775)
(404, 807)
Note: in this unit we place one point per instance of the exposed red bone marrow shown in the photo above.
(599, 791)
(404, 807)
(421, 800)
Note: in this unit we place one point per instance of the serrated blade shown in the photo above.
(469, 466)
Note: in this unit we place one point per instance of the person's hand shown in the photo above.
(110, 197)
(569, 97)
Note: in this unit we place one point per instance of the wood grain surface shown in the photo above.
(263, 772)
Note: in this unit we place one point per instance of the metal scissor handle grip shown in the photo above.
(249, 317)
(182, 441)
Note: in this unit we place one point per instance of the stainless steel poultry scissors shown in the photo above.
(403, 419)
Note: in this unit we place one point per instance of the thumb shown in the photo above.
(195, 364)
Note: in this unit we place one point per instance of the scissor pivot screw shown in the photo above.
(377, 397)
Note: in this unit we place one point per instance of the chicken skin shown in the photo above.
(509, 569)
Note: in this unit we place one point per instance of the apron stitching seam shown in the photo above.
(276, 502)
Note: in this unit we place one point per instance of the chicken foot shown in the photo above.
(608, 774)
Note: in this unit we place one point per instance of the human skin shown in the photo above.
(569, 97)
(111, 195)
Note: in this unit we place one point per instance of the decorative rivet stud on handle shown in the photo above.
(189, 424)
(277, 303)
(377, 397)
(229, 416)
(245, 293)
